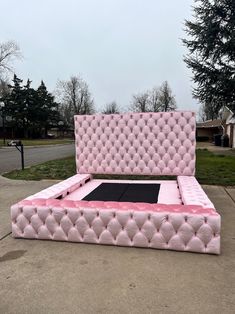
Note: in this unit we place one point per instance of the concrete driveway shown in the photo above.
(56, 277)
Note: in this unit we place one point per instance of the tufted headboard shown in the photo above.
(136, 143)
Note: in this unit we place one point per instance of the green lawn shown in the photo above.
(215, 169)
(56, 169)
(41, 142)
(211, 169)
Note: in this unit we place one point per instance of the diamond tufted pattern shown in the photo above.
(174, 227)
(136, 143)
(63, 188)
(192, 193)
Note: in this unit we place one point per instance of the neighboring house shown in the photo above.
(207, 129)
(61, 132)
(228, 117)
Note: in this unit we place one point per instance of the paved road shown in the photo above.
(10, 157)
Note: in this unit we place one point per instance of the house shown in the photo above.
(5, 130)
(56, 132)
(228, 117)
(207, 129)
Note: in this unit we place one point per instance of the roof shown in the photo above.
(231, 120)
(227, 113)
(210, 124)
(231, 110)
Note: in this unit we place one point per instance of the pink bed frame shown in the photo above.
(131, 143)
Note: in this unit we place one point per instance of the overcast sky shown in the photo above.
(120, 47)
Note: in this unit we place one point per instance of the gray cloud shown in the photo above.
(120, 47)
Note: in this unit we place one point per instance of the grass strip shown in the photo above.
(42, 142)
(211, 169)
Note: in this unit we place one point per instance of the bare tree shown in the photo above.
(9, 51)
(111, 108)
(140, 102)
(74, 97)
(153, 100)
(4, 88)
(166, 99)
(202, 113)
(207, 112)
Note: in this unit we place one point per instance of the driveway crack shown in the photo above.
(229, 195)
(5, 236)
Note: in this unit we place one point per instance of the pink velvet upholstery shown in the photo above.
(174, 227)
(150, 144)
(192, 193)
(63, 188)
(168, 194)
(136, 143)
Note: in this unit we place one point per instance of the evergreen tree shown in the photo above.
(211, 56)
(48, 114)
(30, 98)
(15, 106)
(32, 111)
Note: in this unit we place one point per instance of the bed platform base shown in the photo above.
(49, 215)
(176, 215)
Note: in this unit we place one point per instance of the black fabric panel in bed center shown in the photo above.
(125, 192)
(107, 192)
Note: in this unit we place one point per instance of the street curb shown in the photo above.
(37, 146)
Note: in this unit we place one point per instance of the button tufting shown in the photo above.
(140, 131)
(169, 149)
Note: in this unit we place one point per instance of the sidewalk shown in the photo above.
(57, 277)
(227, 151)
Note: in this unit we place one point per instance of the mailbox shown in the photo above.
(14, 143)
(20, 147)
